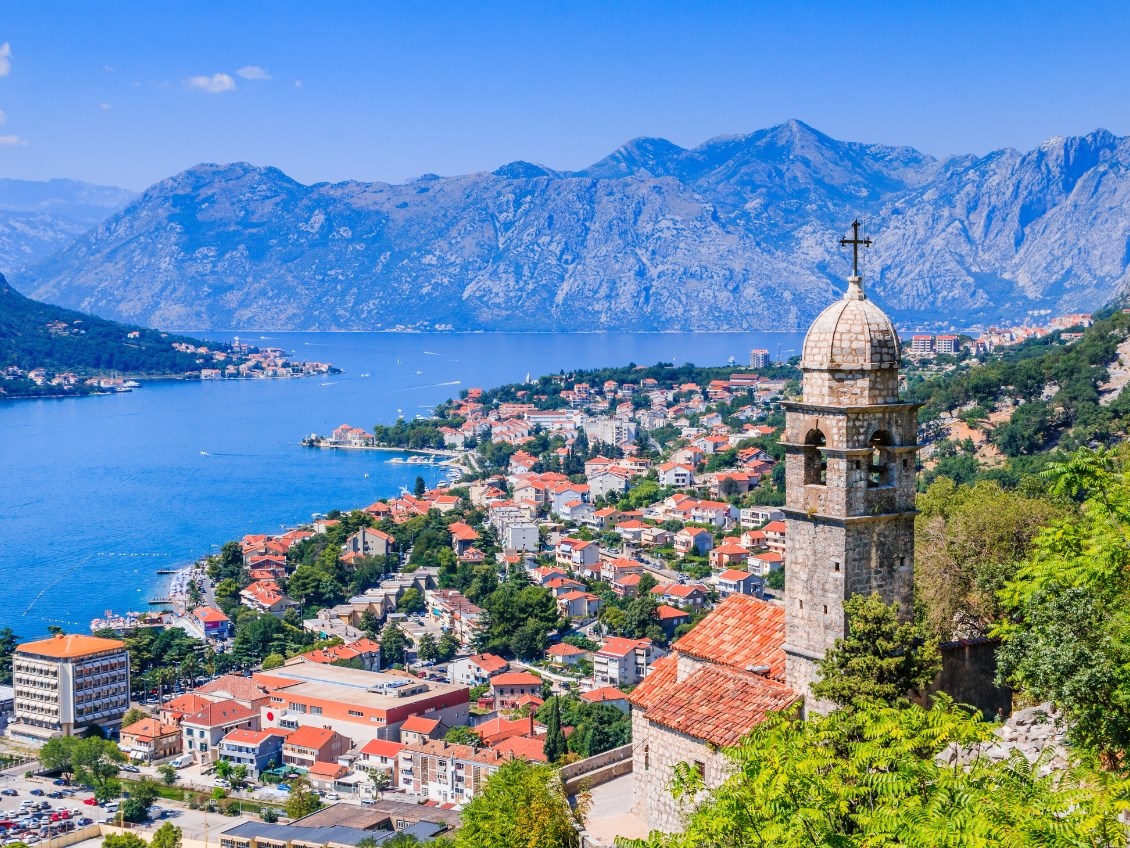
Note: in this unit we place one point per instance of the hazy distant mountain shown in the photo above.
(738, 233)
(37, 218)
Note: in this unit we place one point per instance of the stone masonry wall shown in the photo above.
(656, 752)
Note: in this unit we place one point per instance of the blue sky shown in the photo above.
(129, 92)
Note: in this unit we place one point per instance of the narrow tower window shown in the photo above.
(879, 471)
(815, 463)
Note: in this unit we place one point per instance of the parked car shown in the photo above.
(131, 769)
(37, 792)
(11, 793)
(62, 781)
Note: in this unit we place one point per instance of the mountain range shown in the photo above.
(38, 218)
(738, 233)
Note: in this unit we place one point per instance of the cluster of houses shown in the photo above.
(608, 414)
(355, 731)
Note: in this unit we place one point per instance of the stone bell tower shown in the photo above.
(850, 472)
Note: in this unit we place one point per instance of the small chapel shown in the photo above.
(850, 472)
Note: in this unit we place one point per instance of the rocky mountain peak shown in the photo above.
(739, 232)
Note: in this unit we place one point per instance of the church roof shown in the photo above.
(743, 633)
(852, 334)
(718, 705)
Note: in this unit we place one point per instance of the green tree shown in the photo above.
(411, 602)
(8, 642)
(881, 659)
(522, 805)
(646, 584)
(167, 835)
(89, 760)
(133, 810)
(463, 735)
(554, 746)
(420, 487)
(446, 648)
(393, 644)
(427, 650)
(273, 661)
(124, 840)
(370, 623)
(302, 800)
(968, 541)
(168, 773)
(872, 776)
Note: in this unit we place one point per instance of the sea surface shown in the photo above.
(98, 493)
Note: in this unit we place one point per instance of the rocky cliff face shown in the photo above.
(38, 218)
(739, 233)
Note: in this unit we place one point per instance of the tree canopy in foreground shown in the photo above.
(871, 776)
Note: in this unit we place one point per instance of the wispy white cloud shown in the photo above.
(108, 69)
(298, 83)
(12, 141)
(215, 84)
(104, 106)
(3, 117)
(5, 59)
(253, 72)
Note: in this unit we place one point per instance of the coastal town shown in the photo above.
(207, 361)
(598, 585)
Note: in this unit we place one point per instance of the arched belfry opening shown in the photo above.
(815, 462)
(879, 462)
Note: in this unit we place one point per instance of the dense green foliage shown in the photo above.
(596, 727)
(522, 806)
(871, 777)
(88, 345)
(90, 760)
(1066, 637)
(967, 541)
(881, 660)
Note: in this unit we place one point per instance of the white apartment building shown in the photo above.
(623, 662)
(67, 684)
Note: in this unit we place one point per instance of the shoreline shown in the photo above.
(306, 443)
(159, 378)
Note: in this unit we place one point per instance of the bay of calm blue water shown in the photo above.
(98, 493)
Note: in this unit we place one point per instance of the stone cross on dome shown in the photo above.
(855, 241)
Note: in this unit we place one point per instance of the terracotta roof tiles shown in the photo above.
(742, 632)
(719, 705)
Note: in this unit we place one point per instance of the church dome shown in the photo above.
(852, 334)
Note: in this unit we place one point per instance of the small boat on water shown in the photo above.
(168, 570)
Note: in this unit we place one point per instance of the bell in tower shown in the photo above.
(850, 479)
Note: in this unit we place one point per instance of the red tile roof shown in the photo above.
(490, 663)
(523, 748)
(223, 712)
(419, 724)
(150, 728)
(742, 632)
(564, 649)
(382, 748)
(719, 705)
(733, 574)
(209, 615)
(516, 678)
(234, 686)
(605, 694)
(666, 612)
(254, 737)
(309, 736)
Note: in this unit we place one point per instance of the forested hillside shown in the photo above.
(38, 335)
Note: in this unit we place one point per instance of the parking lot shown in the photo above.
(195, 824)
